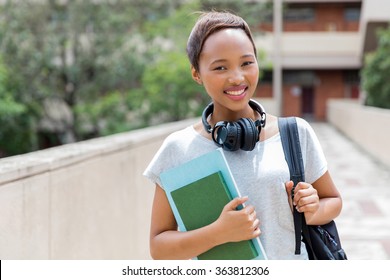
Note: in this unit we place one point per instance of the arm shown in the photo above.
(321, 202)
(166, 242)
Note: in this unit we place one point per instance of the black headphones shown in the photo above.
(232, 136)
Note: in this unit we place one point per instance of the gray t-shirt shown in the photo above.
(260, 174)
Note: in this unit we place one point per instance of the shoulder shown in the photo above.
(170, 153)
(302, 123)
(179, 136)
(272, 127)
(179, 133)
(307, 135)
(309, 140)
(304, 128)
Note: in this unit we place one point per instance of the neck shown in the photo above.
(230, 116)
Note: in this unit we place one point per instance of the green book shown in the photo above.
(197, 191)
(199, 204)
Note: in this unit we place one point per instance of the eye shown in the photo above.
(220, 68)
(246, 63)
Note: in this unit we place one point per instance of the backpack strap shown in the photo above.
(289, 135)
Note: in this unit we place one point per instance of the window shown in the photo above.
(296, 14)
(300, 77)
(352, 14)
(351, 77)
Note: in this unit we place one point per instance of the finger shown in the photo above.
(289, 186)
(251, 214)
(306, 200)
(310, 199)
(249, 210)
(257, 230)
(310, 207)
(232, 205)
(256, 223)
(304, 191)
(302, 186)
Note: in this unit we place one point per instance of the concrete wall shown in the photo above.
(87, 200)
(369, 127)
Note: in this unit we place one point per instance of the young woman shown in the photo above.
(223, 59)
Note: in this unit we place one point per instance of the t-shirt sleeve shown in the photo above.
(314, 160)
(161, 161)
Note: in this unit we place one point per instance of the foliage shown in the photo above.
(376, 73)
(76, 51)
(112, 113)
(252, 11)
(169, 86)
(15, 136)
(9, 108)
(117, 65)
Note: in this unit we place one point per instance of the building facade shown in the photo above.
(316, 49)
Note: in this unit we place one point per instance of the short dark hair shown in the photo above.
(209, 23)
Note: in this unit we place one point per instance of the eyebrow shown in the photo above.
(224, 60)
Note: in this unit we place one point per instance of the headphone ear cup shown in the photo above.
(219, 133)
(228, 135)
(234, 137)
(250, 134)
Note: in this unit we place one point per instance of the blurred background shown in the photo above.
(89, 90)
(75, 70)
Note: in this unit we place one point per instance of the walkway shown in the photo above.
(364, 223)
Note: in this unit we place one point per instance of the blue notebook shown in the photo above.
(197, 192)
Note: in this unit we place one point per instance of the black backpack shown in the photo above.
(322, 242)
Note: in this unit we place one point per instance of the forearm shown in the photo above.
(321, 202)
(184, 245)
(168, 243)
(329, 209)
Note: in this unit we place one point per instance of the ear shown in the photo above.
(195, 75)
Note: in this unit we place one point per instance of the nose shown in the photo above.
(236, 77)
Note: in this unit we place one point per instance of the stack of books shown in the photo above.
(197, 191)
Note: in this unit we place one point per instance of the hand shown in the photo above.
(237, 225)
(306, 198)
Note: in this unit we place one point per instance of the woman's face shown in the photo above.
(228, 70)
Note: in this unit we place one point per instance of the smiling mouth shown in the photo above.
(236, 92)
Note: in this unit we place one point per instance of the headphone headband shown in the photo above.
(242, 134)
(254, 105)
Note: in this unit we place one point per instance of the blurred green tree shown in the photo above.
(77, 69)
(167, 83)
(12, 119)
(376, 73)
(252, 11)
(170, 91)
(73, 52)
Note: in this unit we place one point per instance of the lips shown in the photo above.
(236, 91)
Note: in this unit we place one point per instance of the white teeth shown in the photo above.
(239, 92)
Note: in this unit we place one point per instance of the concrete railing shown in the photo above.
(86, 200)
(89, 200)
(366, 126)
